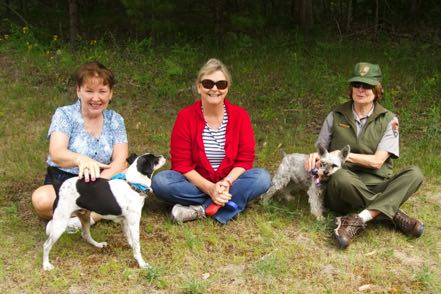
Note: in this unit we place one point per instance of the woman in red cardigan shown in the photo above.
(212, 154)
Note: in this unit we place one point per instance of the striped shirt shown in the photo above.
(214, 142)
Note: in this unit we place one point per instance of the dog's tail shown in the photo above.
(283, 153)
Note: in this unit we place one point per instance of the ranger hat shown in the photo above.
(367, 73)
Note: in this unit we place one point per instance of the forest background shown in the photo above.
(290, 62)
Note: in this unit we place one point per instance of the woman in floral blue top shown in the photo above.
(85, 139)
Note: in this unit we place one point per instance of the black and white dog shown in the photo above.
(118, 200)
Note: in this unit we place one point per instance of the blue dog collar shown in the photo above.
(136, 187)
(120, 176)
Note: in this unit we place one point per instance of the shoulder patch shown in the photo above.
(395, 126)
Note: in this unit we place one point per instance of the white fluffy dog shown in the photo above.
(292, 170)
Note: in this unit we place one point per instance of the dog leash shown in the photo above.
(137, 187)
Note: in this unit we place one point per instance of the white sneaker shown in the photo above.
(73, 225)
(181, 213)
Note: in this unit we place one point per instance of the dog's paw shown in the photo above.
(101, 244)
(320, 218)
(144, 265)
(48, 266)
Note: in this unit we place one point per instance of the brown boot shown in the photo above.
(408, 225)
(348, 227)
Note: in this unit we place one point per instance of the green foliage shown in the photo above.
(153, 277)
(193, 287)
(274, 265)
(208, 21)
(426, 278)
(154, 16)
(20, 39)
(12, 209)
(2, 271)
(248, 24)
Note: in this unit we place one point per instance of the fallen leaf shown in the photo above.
(364, 287)
(205, 276)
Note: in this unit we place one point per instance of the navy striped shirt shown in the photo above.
(214, 142)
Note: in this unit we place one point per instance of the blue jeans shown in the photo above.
(173, 187)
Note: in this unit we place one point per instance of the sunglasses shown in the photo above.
(362, 85)
(209, 84)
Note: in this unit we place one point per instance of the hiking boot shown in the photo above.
(181, 213)
(348, 227)
(408, 225)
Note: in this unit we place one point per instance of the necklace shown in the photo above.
(215, 121)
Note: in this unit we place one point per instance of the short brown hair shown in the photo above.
(378, 92)
(211, 66)
(94, 69)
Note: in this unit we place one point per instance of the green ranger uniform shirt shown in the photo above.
(340, 129)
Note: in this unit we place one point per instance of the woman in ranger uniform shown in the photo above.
(366, 183)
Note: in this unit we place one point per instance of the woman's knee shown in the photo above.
(340, 179)
(264, 178)
(415, 174)
(260, 179)
(43, 200)
(163, 182)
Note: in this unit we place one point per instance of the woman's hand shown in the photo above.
(89, 168)
(220, 193)
(312, 161)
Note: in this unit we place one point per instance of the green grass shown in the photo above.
(288, 85)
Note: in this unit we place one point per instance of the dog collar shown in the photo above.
(137, 187)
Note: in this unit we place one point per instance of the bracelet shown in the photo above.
(227, 179)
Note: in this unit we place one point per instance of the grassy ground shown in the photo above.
(288, 84)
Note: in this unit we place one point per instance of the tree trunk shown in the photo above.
(73, 21)
(8, 9)
(325, 10)
(303, 10)
(307, 19)
(349, 15)
(414, 8)
(219, 20)
(377, 9)
(24, 8)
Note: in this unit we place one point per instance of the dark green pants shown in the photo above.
(346, 192)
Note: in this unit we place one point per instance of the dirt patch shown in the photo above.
(408, 260)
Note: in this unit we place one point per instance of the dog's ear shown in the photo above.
(321, 150)
(132, 158)
(344, 153)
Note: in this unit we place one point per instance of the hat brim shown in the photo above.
(372, 82)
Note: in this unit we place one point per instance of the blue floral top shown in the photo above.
(68, 120)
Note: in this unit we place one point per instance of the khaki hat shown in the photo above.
(367, 73)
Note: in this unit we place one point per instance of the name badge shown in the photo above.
(344, 126)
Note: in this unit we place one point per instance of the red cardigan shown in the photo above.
(187, 148)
